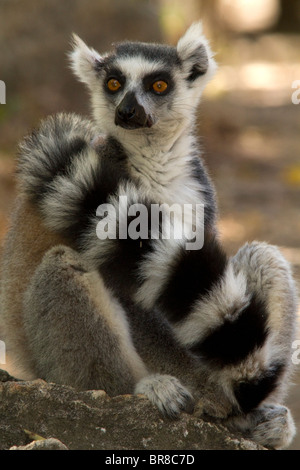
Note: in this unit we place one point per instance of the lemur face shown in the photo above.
(138, 85)
(146, 88)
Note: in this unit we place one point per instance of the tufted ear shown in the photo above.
(85, 62)
(195, 53)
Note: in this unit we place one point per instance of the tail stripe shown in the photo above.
(191, 277)
(251, 393)
(237, 337)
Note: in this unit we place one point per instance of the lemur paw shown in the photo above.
(272, 426)
(275, 428)
(167, 393)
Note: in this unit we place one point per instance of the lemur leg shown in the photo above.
(79, 335)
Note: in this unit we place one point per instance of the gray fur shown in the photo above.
(270, 425)
(80, 347)
(73, 308)
(269, 274)
(167, 393)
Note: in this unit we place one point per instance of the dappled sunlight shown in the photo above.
(249, 15)
(272, 81)
(252, 142)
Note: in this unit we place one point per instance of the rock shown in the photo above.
(45, 444)
(92, 420)
(5, 377)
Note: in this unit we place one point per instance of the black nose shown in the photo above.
(126, 113)
(130, 114)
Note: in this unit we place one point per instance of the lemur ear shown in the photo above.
(194, 51)
(85, 62)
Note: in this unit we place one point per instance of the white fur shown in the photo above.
(165, 392)
(70, 126)
(192, 40)
(84, 61)
(135, 68)
(155, 273)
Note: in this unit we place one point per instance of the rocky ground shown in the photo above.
(42, 416)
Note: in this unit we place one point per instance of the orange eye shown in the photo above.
(113, 84)
(160, 86)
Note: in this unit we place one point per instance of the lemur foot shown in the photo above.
(167, 393)
(272, 426)
(275, 428)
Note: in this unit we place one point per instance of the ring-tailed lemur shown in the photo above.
(143, 314)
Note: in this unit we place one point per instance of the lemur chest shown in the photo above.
(174, 209)
(152, 193)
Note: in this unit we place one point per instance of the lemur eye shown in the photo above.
(113, 84)
(159, 86)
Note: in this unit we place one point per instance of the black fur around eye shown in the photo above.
(114, 80)
(158, 83)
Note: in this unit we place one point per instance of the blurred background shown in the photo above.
(249, 125)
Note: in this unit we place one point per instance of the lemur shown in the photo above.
(144, 315)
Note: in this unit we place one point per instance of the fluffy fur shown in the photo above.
(143, 315)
